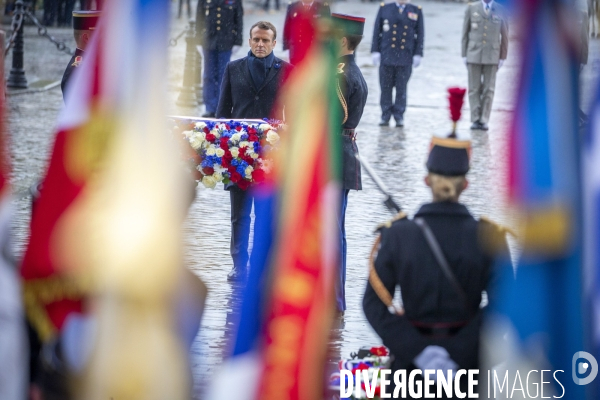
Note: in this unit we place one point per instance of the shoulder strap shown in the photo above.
(441, 259)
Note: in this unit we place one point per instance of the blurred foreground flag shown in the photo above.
(13, 345)
(543, 303)
(111, 208)
(288, 305)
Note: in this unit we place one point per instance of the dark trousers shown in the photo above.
(241, 206)
(50, 12)
(340, 287)
(189, 8)
(214, 68)
(267, 2)
(390, 77)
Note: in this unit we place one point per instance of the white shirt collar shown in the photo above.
(484, 3)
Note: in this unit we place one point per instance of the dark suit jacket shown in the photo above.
(219, 24)
(239, 98)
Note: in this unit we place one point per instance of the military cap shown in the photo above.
(85, 20)
(350, 24)
(449, 156)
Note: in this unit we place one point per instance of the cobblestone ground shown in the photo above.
(397, 154)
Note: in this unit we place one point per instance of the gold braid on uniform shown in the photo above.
(376, 283)
(38, 293)
(340, 94)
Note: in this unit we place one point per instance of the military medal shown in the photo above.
(386, 25)
(413, 16)
(77, 61)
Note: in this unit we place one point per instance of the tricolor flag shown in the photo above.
(288, 305)
(544, 301)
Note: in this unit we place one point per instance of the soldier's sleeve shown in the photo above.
(225, 106)
(465, 32)
(396, 332)
(287, 28)
(239, 24)
(376, 43)
(420, 34)
(200, 23)
(504, 39)
(343, 93)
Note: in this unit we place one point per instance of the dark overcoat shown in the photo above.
(219, 24)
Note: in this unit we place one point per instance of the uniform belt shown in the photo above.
(351, 133)
(438, 329)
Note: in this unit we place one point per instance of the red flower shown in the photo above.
(258, 175)
(379, 351)
(248, 159)
(206, 130)
(242, 151)
(238, 128)
(251, 130)
(223, 144)
(360, 367)
(235, 176)
(253, 137)
(210, 137)
(243, 184)
(226, 159)
(208, 170)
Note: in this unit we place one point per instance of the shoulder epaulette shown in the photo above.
(499, 228)
(419, 7)
(388, 224)
(382, 4)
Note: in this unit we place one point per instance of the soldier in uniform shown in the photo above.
(484, 49)
(441, 263)
(397, 47)
(219, 25)
(293, 37)
(84, 23)
(352, 92)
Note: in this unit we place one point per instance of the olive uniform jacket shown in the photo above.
(485, 35)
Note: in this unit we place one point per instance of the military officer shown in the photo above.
(352, 93)
(397, 47)
(442, 261)
(84, 23)
(293, 36)
(219, 25)
(484, 49)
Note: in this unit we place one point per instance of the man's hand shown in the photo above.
(500, 63)
(376, 57)
(235, 49)
(416, 61)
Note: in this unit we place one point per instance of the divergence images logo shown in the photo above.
(581, 367)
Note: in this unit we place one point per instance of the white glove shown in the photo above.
(500, 64)
(376, 57)
(416, 61)
(199, 48)
(465, 60)
(235, 49)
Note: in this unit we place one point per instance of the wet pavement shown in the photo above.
(397, 154)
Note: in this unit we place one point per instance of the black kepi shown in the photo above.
(85, 20)
(350, 24)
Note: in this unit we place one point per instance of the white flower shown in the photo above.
(218, 176)
(199, 135)
(211, 151)
(209, 182)
(265, 127)
(234, 151)
(195, 143)
(188, 134)
(272, 137)
(236, 137)
(200, 125)
(215, 132)
(254, 156)
(220, 152)
(248, 171)
(244, 144)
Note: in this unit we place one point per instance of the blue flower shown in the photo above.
(244, 136)
(241, 170)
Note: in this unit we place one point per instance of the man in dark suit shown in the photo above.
(249, 91)
(352, 92)
(219, 25)
(84, 23)
(397, 47)
(295, 39)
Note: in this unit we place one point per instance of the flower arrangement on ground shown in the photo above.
(231, 151)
